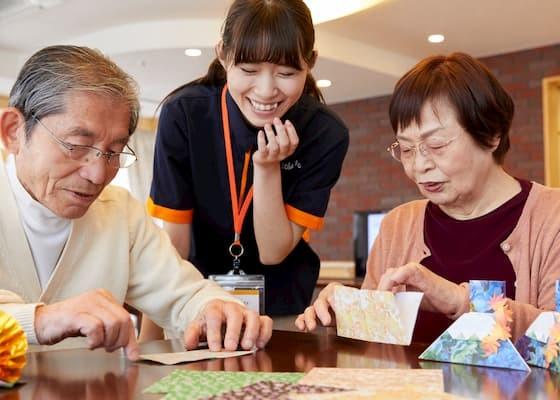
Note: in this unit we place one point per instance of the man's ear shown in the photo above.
(12, 127)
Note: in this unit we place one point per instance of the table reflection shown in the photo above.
(91, 375)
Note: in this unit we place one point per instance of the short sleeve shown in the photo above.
(321, 165)
(171, 196)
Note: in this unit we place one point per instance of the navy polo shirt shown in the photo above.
(190, 185)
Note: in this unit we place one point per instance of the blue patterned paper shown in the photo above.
(481, 292)
(469, 351)
(532, 349)
(558, 295)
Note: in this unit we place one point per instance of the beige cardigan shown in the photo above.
(114, 246)
(533, 249)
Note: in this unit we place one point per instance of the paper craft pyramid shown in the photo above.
(540, 346)
(480, 337)
(376, 316)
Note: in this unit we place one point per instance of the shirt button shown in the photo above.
(505, 247)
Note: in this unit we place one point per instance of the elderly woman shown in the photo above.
(452, 120)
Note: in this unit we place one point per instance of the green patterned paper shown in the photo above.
(182, 384)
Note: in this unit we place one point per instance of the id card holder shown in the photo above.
(247, 288)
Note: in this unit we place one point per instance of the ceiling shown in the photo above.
(363, 54)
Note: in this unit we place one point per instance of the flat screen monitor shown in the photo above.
(365, 229)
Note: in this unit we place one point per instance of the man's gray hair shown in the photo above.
(52, 74)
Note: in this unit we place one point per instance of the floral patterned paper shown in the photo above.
(540, 346)
(270, 390)
(376, 316)
(492, 348)
(185, 385)
(397, 394)
(557, 287)
(542, 353)
(375, 379)
(482, 293)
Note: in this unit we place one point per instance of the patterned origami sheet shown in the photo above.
(270, 390)
(187, 385)
(376, 379)
(480, 337)
(191, 356)
(540, 346)
(376, 316)
(396, 394)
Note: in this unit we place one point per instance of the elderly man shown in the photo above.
(72, 249)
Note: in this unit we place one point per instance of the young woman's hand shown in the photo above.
(275, 142)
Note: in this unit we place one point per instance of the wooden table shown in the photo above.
(84, 374)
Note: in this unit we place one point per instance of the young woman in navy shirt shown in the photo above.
(248, 154)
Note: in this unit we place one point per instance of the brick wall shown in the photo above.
(372, 180)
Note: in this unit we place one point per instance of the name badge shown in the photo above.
(247, 288)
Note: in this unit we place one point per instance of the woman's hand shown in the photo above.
(440, 295)
(322, 309)
(275, 144)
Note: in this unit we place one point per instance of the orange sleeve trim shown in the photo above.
(304, 219)
(169, 214)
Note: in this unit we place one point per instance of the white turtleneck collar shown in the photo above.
(46, 232)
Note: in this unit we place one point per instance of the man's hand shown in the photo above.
(95, 315)
(208, 325)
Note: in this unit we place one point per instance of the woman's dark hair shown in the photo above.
(274, 31)
(482, 106)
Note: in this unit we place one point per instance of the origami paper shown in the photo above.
(13, 345)
(376, 316)
(192, 355)
(182, 384)
(391, 394)
(270, 390)
(480, 338)
(481, 293)
(540, 346)
(557, 287)
(375, 379)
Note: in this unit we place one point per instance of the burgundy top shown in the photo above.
(468, 249)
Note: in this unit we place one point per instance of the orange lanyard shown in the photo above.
(239, 205)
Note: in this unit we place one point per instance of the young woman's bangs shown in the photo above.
(275, 46)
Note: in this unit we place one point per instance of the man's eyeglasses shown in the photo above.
(430, 148)
(86, 154)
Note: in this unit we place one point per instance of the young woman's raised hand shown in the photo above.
(275, 142)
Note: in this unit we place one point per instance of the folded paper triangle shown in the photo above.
(540, 346)
(376, 316)
(476, 339)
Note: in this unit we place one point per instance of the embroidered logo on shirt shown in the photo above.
(289, 165)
